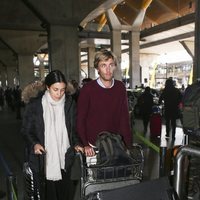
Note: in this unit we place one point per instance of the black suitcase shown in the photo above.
(158, 189)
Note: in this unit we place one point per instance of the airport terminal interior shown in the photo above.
(153, 40)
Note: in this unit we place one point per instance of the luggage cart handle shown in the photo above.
(178, 177)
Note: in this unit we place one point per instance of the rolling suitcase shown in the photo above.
(155, 124)
(158, 189)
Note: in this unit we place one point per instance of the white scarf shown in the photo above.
(56, 136)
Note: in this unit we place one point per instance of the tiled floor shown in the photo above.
(152, 156)
(11, 150)
(153, 159)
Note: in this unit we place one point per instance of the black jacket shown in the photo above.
(33, 128)
(172, 98)
(146, 103)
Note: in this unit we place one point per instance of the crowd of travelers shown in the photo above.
(168, 98)
(168, 101)
(11, 97)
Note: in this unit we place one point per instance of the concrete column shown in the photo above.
(26, 70)
(196, 68)
(116, 28)
(41, 68)
(148, 61)
(134, 49)
(116, 48)
(134, 56)
(91, 69)
(64, 50)
(41, 58)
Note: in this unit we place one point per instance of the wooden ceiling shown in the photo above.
(157, 11)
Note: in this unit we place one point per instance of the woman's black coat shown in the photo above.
(33, 129)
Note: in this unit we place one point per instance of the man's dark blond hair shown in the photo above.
(104, 55)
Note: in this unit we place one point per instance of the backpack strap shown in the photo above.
(108, 149)
(107, 136)
(104, 141)
(119, 141)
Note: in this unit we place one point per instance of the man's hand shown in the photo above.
(89, 151)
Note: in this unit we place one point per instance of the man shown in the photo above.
(103, 105)
(172, 98)
(146, 103)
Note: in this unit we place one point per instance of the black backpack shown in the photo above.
(191, 109)
(112, 150)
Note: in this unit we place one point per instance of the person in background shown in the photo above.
(9, 98)
(76, 89)
(145, 102)
(172, 98)
(103, 105)
(49, 128)
(1, 98)
(86, 80)
(17, 101)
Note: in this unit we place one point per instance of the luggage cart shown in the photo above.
(179, 169)
(94, 179)
(34, 184)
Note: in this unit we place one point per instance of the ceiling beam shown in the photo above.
(131, 4)
(181, 21)
(94, 34)
(98, 11)
(167, 40)
(9, 47)
(188, 19)
(21, 27)
(187, 49)
(43, 20)
(159, 42)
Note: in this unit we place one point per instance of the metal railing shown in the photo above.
(179, 181)
(11, 184)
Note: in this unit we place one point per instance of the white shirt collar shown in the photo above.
(102, 85)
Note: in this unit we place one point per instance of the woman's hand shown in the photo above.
(39, 149)
(79, 149)
(89, 151)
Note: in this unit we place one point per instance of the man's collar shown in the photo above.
(102, 85)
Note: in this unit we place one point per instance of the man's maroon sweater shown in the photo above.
(103, 109)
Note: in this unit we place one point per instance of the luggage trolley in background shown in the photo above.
(95, 179)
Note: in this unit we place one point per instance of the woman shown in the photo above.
(172, 98)
(49, 128)
(146, 103)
